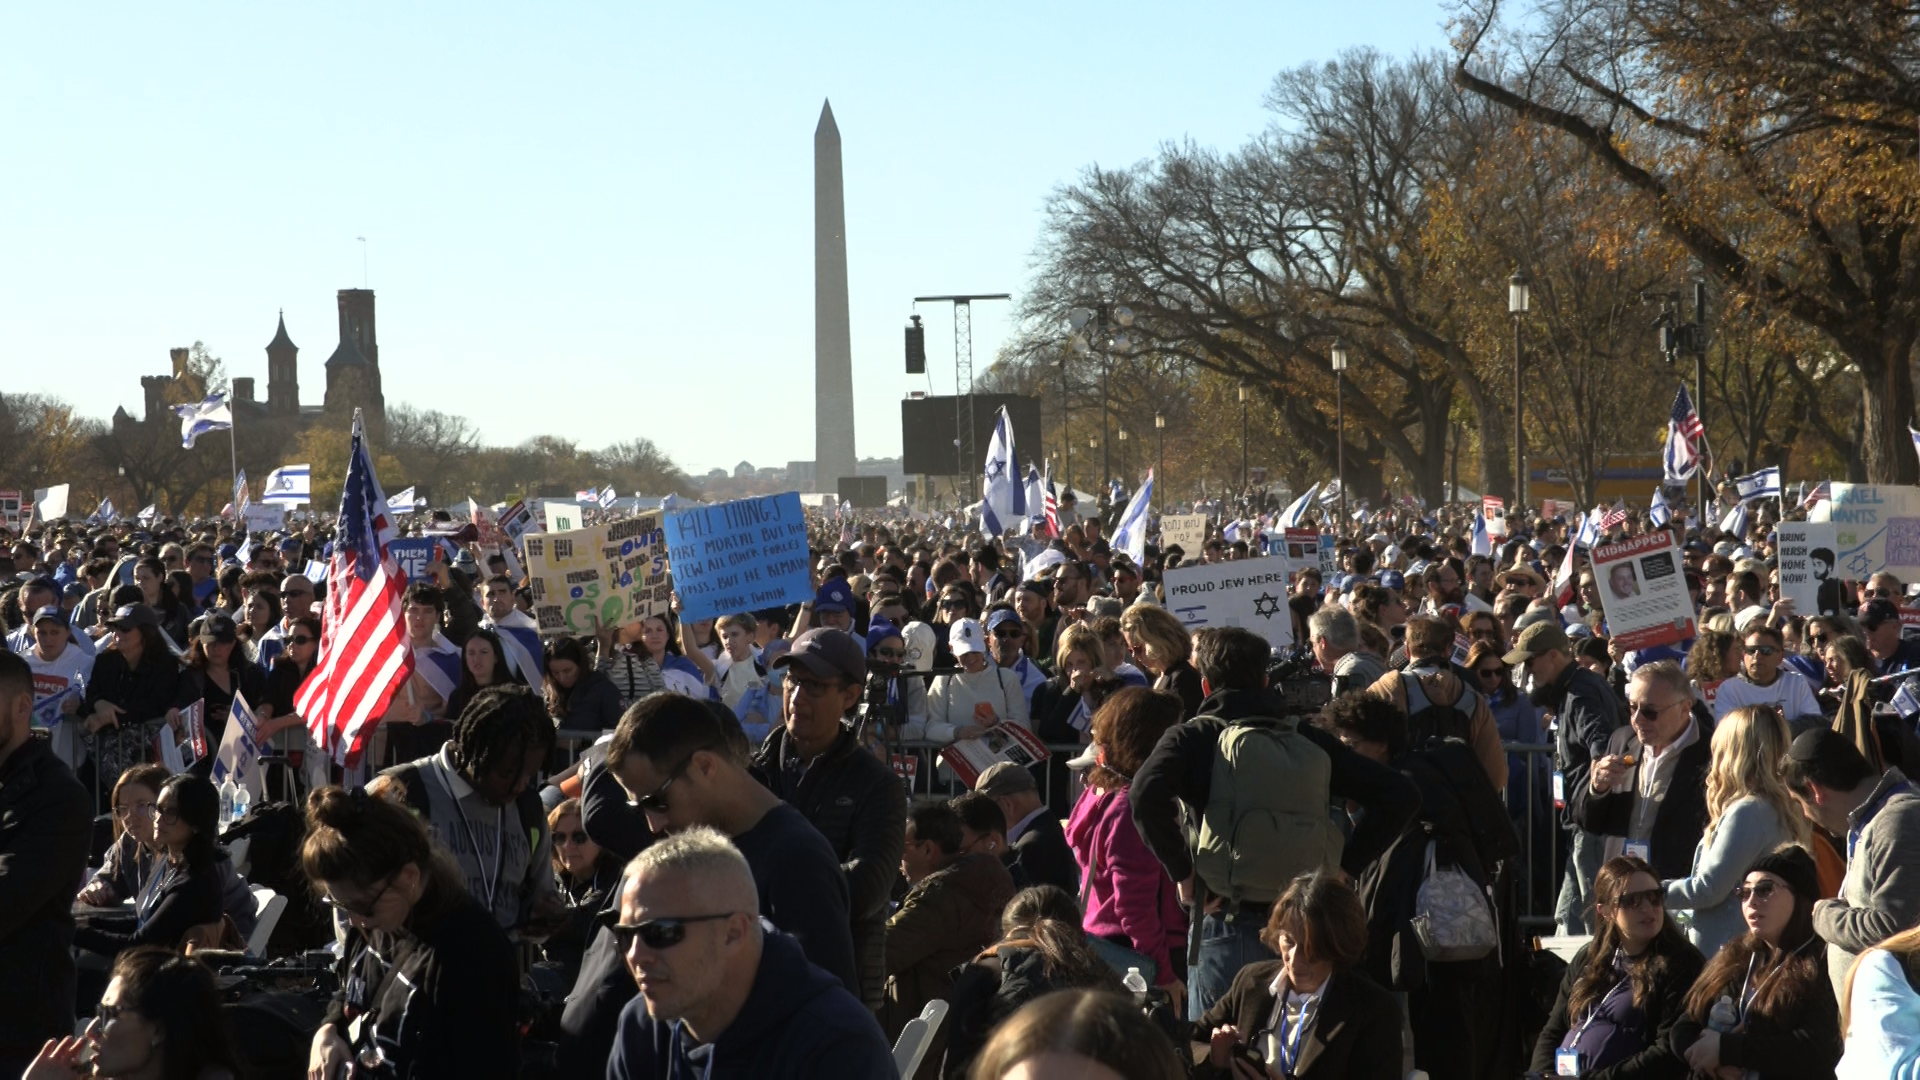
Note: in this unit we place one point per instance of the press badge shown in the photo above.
(1559, 790)
(1638, 849)
(1566, 1061)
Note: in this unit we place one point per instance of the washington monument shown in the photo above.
(833, 454)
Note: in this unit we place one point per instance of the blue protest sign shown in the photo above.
(413, 553)
(739, 556)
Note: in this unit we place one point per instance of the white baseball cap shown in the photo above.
(967, 637)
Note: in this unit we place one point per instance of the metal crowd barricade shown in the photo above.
(1541, 838)
(114, 750)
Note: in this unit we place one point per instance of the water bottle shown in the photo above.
(1136, 984)
(226, 803)
(1724, 1016)
(242, 801)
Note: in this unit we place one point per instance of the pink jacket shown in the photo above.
(1128, 895)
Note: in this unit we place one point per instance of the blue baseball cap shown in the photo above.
(51, 611)
(835, 595)
(1393, 579)
(880, 630)
(290, 544)
(1001, 618)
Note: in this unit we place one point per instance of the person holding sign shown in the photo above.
(219, 670)
(1763, 681)
(59, 670)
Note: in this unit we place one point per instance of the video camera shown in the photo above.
(1295, 686)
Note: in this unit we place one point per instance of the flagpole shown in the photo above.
(233, 455)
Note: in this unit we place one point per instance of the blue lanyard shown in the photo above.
(1290, 1054)
(1865, 816)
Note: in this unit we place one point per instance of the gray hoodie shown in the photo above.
(1881, 894)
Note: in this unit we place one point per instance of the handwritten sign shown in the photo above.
(1876, 527)
(739, 556)
(1188, 531)
(635, 551)
(1809, 574)
(562, 517)
(1251, 594)
(1643, 591)
(265, 517)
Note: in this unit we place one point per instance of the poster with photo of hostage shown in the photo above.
(1643, 591)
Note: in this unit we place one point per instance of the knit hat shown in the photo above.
(1791, 864)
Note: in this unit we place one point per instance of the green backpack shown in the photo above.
(1267, 818)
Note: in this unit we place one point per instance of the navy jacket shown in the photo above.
(799, 1023)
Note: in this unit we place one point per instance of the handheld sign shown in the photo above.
(1643, 591)
(562, 517)
(1189, 531)
(571, 584)
(413, 553)
(1250, 593)
(739, 556)
(1876, 527)
(1809, 570)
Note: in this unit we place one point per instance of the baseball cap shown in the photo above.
(127, 615)
(835, 595)
(1000, 618)
(1005, 778)
(218, 626)
(1393, 579)
(1539, 638)
(880, 630)
(828, 653)
(290, 544)
(966, 637)
(228, 551)
(74, 590)
(51, 611)
(1875, 613)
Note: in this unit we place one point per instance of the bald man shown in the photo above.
(723, 995)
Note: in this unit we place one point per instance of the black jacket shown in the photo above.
(1041, 856)
(1050, 713)
(1389, 889)
(182, 899)
(1587, 713)
(45, 825)
(989, 989)
(1682, 816)
(1180, 770)
(591, 1014)
(593, 704)
(1801, 1044)
(1181, 679)
(444, 1002)
(1356, 1036)
(860, 806)
(1664, 1008)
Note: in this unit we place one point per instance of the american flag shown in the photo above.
(1685, 437)
(1613, 517)
(1052, 503)
(364, 657)
(1820, 493)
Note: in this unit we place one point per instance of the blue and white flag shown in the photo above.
(1735, 523)
(213, 414)
(105, 515)
(1482, 542)
(1330, 494)
(152, 511)
(245, 552)
(1115, 492)
(238, 758)
(438, 664)
(402, 503)
(1005, 500)
(289, 484)
(520, 640)
(1916, 438)
(1130, 535)
(1036, 496)
(1293, 516)
(607, 496)
(1764, 484)
(1660, 513)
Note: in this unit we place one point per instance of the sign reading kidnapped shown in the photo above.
(1248, 593)
(739, 556)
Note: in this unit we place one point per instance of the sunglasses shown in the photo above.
(169, 816)
(659, 934)
(1819, 640)
(1762, 650)
(358, 911)
(301, 640)
(657, 800)
(953, 604)
(1633, 901)
(578, 836)
(1760, 892)
(890, 654)
(1008, 631)
(1490, 673)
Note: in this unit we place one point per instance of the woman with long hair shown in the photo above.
(1714, 658)
(1041, 949)
(579, 697)
(258, 616)
(1078, 1035)
(427, 976)
(1514, 713)
(218, 666)
(483, 663)
(137, 684)
(644, 657)
(1880, 1011)
(1133, 907)
(1625, 988)
(584, 874)
(1749, 813)
(188, 889)
(157, 592)
(1764, 1004)
(1162, 647)
(159, 1020)
(134, 853)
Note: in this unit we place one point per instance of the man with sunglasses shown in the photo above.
(721, 995)
(1880, 630)
(1648, 793)
(1763, 681)
(1005, 636)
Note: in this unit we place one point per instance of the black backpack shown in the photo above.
(1485, 808)
(1428, 720)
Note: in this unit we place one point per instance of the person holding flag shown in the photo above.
(1130, 533)
(519, 633)
(1004, 501)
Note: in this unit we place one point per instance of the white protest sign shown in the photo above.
(1643, 591)
(50, 503)
(1876, 527)
(1494, 510)
(1808, 574)
(238, 758)
(1189, 531)
(562, 517)
(1301, 548)
(1250, 594)
(266, 517)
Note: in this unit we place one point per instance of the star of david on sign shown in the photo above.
(1266, 605)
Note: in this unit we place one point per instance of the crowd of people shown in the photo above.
(730, 847)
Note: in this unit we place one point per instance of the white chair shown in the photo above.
(269, 906)
(237, 851)
(917, 1036)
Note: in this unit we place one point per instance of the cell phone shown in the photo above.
(1248, 1053)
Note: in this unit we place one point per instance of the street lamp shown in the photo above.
(1126, 470)
(1244, 477)
(1093, 329)
(1160, 428)
(1339, 356)
(1519, 301)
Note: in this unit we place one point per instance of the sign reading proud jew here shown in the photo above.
(1643, 591)
(1249, 593)
(1876, 527)
(739, 556)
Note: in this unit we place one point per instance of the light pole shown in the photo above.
(1339, 356)
(1245, 479)
(1519, 300)
(1126, 459)
(1160, 428)
(1102, 319)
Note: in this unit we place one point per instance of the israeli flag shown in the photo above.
(1330, 494)
(438, 664)
(1036, 496)
(1660, 513)
(152, 511)
(213, 414)
(1482, 542)
(238, 758)
(106, 515)
(607, 496)
(1130, 535)
(1005, 501)
(289, 484)
(1295, 514)
(520, 640)
(1764, 484)
(402, 503)
(1735, 523)
(1114, 492)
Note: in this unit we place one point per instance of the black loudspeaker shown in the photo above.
(916, 348)
(864, 491)
(928, 426)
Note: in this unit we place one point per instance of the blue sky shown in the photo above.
(592, 220)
